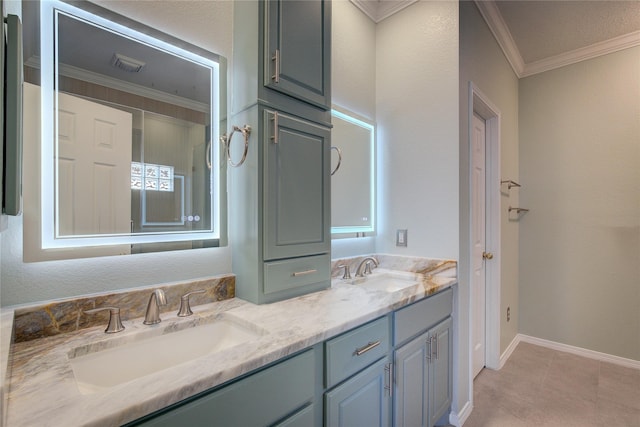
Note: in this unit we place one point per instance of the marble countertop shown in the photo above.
(43, 390)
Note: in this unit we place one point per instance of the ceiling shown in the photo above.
(538, 36)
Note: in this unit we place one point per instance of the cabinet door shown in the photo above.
(412, 383)
(297, 60)
(440, 370)
(363, 400)
(296, 193)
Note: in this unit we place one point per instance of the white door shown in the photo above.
(478, 235)
(94, 168)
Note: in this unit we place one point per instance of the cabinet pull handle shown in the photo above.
(276, 58)
(388, 368)
(430, 348)
(362, 350)
(339, 151)
(304, 273)
(274, 136)
(435, 340)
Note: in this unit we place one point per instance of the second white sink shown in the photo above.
(388, 280)
(102, 369)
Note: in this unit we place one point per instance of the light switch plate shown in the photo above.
(401, 237)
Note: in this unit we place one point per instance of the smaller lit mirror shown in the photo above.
(130, 133)
(353, 175)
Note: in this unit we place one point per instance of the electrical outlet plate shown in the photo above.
(401, 237)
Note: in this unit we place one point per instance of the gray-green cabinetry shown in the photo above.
(297, 60)
(285, 394)
(359, 376)
(423, 361)
(279, 199)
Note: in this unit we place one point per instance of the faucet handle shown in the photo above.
(115, 324)
(185, 308)
(367, 267)
(347, 272)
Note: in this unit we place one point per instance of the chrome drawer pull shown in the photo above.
(362, 350)
(304, 273)
(388, 368)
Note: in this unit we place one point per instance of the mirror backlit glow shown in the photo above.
(134, 136)
(353, 183)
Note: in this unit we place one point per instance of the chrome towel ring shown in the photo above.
(226, 140)
(339, 159)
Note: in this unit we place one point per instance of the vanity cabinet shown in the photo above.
(280, 199)
(394, 370)
(358, 375)
(282, 395)
(423, 364)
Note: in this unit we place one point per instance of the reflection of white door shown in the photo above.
(94, 162)
(478, 236)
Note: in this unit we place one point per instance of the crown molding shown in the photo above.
(495, 22)
(500, 30)
(378, 10)
(589, 52)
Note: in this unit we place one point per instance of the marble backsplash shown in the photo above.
(68, 315)
(426, 266)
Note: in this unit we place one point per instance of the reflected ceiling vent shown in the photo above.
(126, 64)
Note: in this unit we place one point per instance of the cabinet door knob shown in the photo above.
(487, 255)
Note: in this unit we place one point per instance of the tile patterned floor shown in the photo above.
(542, 387)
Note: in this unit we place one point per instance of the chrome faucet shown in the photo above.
(364, 267)
(156, 300)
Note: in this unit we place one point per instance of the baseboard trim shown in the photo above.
(458, 418)
(591, 354)
(509, 350)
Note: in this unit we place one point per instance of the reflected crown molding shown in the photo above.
(379, 10)
(102, 80)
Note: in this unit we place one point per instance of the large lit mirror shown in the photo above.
(130, 134)
(353, 175)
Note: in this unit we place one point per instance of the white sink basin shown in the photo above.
(102, 369)
(388, 280)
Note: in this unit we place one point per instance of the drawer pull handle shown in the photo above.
(362, 350)
(304, 273)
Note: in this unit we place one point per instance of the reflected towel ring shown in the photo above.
(245, 131)
(207, 155)
(339, 159)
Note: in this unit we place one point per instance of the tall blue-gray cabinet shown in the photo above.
(423, 364)
(279, 199)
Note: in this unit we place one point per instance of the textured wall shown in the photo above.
(417, 113)
(483, 63)
(580, 171)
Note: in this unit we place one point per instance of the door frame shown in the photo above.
(482, 105)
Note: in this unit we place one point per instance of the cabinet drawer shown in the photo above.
(294, 273)
(411, 320)
(355, 350)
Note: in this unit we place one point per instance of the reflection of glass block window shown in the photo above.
(136, 169)
(136, 183)
(166, 172)
(165, 185)
(150, 184)
(151, 171)
(155, 177)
